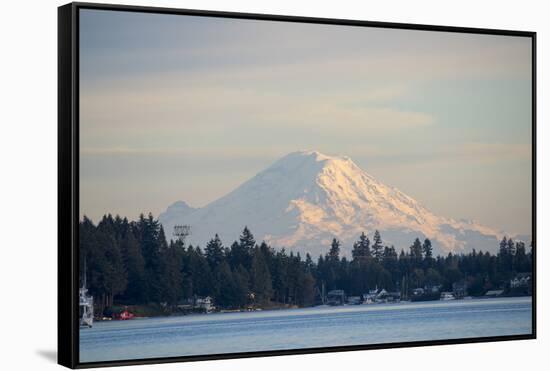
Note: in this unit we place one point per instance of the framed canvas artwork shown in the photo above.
(238, 185)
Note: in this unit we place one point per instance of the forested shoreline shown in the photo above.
(132, 263)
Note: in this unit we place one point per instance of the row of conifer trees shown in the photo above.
(131, 262)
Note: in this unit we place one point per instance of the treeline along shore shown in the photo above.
(131, 263)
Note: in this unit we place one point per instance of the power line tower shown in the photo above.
(181, 231)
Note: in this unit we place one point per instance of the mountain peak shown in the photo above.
(308, 163)
(306, 198)
(315, 155)
(180, 207)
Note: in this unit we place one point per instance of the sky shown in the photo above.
(188, 108)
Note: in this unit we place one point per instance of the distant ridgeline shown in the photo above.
(130, 263)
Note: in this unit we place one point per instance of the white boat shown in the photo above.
(86, 305)
(86, 308)
(447, 296)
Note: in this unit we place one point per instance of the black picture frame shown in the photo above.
(68, 180)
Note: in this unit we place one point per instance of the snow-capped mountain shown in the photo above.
(306, 198)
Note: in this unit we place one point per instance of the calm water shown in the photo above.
(304, 328)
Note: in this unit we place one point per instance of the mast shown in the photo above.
(84, 279)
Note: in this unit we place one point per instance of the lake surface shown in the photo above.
(304, 328)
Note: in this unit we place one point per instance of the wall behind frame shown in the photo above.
(28, 162)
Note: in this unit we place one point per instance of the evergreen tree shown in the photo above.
(268, 254)
(433, 277)
(390, 263)
(503, 246)
(294, 276)
(280, 277)
(214, 252)
(241, 252)
(246, 240)
(228, 291)
(241, 289)
(377, 247)
(260, 278)
(306, 291)
(309, 265)
(523, 263)
(506, 258)
(109, 276)
(334, 252)
(361, 248)
(135, 267)
(200, 274)
(171, 274)
(149, 235)
(416, 251)
(427, 249)
(510, 247)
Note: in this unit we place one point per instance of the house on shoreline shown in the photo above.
(197, 304)
(336, 297)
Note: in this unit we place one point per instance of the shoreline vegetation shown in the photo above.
(130, 266)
